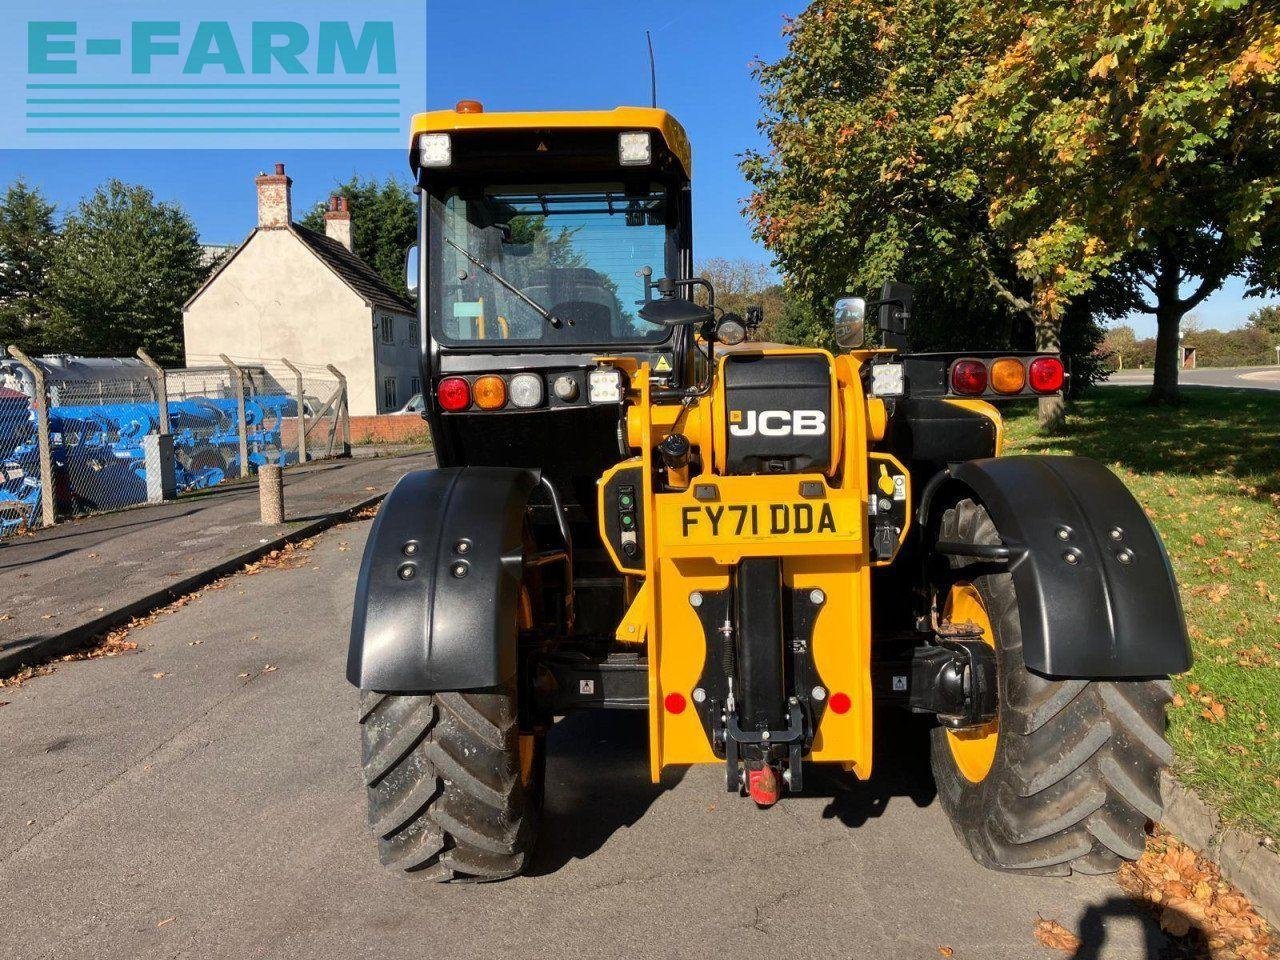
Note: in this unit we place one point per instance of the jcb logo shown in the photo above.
(777, 423)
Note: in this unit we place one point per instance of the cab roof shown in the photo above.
(619, 118)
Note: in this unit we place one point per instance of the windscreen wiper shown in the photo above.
(528, 301)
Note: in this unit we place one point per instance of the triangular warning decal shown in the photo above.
(663, 365)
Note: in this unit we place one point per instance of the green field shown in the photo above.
(1208, 474)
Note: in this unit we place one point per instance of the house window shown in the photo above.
(389, 393)
(388, 330)
(413, 332)
(415, 385)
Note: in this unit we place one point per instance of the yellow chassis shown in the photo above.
(683, 558)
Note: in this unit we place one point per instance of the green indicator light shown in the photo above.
(625, 500)
(627, 520)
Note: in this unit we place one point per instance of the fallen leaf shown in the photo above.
(159, 676)
(270, 668)
(946, 951)
(1055, 936)
(243, 676)
(1178, 701)
(1199, 540)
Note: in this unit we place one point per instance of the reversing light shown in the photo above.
(1046, 375)
(635, 148)
(526, 390)
(604, 385)
(435, 150)
(969, 377)
(1008, 375)
(490, 392)
(454, 394)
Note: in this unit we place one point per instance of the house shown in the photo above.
(290, 292)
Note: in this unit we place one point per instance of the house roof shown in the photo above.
(353, 271)
(365, 281)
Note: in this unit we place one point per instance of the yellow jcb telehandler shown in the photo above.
(767, 549)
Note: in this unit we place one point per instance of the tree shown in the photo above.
(743, 283)
(384, 223)
(123, 267)
(27, 238)
(1130, 147)
(1266, 320)
(1119, 347)
(859, 187)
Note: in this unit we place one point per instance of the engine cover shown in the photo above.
(777, 413)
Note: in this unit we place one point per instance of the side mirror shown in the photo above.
(411, 270)
(850, 322)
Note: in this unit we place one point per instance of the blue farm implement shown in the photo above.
(99, 460)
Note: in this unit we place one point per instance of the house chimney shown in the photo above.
(337, 222)
(275, 206)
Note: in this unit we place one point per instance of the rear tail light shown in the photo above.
(1046, 375)
(969, 377)
(1008, 375)
(454, 394)
(490, 392)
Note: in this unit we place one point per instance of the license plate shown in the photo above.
(719, 521)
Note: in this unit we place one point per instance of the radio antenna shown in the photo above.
(653, 72)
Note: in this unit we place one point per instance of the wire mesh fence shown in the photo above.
(120, 431)
(19, 464)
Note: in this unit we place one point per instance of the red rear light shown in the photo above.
(454, 394)
(969, 376)
(674, 702)
(840, 703)
(1046, 375)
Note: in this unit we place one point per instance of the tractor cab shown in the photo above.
(537, 231)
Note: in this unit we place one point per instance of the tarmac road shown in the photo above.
(201, 798)
(1254, 378)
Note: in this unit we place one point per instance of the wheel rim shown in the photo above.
(974, 750)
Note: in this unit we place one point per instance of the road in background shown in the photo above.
(202, 798)
(1254, 378)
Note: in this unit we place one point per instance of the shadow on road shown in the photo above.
(901, 769)
(597, 784)
(1193, 945)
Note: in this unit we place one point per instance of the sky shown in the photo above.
(521, 55)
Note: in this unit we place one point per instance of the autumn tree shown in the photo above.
(1129, 148)
(741, 283)
(27, 239)
(122, 269)
(858, 187)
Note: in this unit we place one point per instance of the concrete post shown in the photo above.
(40, 403)
(344, 411)
(162, 480)
(271, 493)
(300, 398)
(161, 387)
(242, 420)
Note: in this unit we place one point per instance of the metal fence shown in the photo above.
(84, 435)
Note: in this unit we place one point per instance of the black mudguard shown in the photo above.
(439, 583)
(1096, 617)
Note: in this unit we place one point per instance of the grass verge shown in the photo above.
(1208, 474)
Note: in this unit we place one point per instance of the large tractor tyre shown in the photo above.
(1068, 775)
(454, 787)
